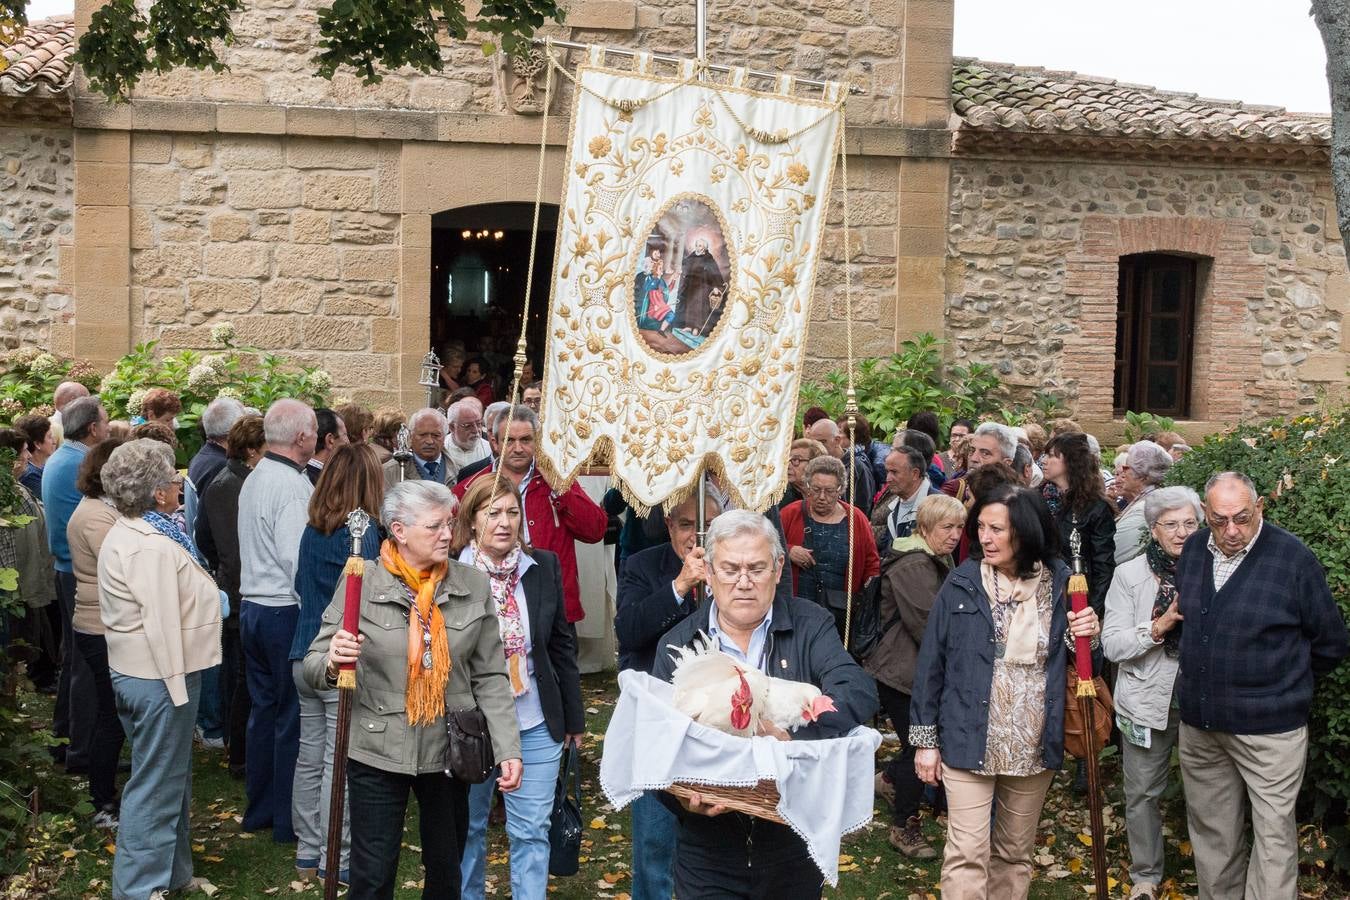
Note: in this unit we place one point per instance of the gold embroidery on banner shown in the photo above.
(656, 402)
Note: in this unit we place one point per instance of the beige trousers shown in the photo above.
(974, 867)
(1224, 774)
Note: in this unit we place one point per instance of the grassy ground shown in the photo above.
(77, 863)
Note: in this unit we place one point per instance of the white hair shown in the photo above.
(1007, 441)
(425, 412)
(454, 409)
(493, 413)
(1149, 461)
(1094, 447)
(1163, 499)
(220, 415)
(737, 522)
(407, 499)
(286, 420)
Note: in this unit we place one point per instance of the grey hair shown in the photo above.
(1007, 441)
(286, 420)
(424, 413)
(1021, 458)
(220, 415)
(1163, 499)
(1094, 447)
(737, 522)
(1218, 477)
(408, 498)
(132, 473)
(708, 497)
(454, 409)
(519, 413)
(825, 465)
(494, 412)
(78, 415)
(1149, 461)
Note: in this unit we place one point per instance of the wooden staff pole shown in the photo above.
(357, 523)
(1087, 694)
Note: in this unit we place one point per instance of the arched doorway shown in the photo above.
(479, 262)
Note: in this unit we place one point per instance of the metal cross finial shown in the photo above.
(358, 520)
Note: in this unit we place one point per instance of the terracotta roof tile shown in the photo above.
(40, 59)
(989, 96)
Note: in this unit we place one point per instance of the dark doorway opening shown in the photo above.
(1155, 316)
(479, 261)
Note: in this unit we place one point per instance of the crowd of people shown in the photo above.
(165, 609)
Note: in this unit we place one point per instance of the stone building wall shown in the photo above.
(293, 240)
(1032, 276)
(858, 40)
(36, 221)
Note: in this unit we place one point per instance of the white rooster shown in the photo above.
(716, 690)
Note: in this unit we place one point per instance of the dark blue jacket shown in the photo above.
(1249, 651)
(647, 607)
(955, 670)
(322, 557)
(803, 645)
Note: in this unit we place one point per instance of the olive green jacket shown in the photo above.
(380, 734)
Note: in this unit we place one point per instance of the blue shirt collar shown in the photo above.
(759, 638)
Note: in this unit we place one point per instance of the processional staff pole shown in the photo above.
(701, 49)
(357, 523)
(1087, 693)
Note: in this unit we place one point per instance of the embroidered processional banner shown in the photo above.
(687, 247)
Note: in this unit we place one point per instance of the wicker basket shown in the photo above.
(760, 801)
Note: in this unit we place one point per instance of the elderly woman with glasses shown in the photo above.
(803, 451)
(428, 643)
(161, 615)
(1145, 467)
(1142, 634)
(541, 659)
(816, 530)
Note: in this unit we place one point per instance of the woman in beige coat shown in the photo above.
(405, 684)
(161, 614)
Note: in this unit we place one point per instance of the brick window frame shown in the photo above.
(1226, 357)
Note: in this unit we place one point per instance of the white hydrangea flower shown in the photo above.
(230, 391)
(134, 402)
(216, 362)
(222, 332)
(201, 377)
(44, 364)
(320, 380)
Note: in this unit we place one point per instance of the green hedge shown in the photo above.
(1301, 467)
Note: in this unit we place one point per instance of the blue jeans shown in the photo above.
(273, 736)
(154, 852)
(529, 810)
(209, 710)
(653, 849)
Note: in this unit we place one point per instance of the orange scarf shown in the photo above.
(425, 698)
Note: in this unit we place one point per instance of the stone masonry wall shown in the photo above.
(36, 184)
(1033, 249)
(833, 39)
(293, 240)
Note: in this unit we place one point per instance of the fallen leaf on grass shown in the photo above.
(612, 877)
(1085, 839)
(1184, 848)
(198, 848)
(598, 822)
(213, 859)
(1075, 865)
(297, 886)
(69, 854)
(110, 847)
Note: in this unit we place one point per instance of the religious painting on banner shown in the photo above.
(687, 249)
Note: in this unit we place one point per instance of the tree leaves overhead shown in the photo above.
(368, 36)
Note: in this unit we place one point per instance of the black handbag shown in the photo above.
(564, 829)
(468, 752)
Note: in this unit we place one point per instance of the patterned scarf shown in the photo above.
(1164, 567)
(1024, 631)
(169, 528)
(1050, 493)
(504, 577)
(425, 696)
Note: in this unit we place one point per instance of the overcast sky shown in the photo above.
(1260, 51)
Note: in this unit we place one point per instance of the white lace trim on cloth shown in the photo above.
(825, 787)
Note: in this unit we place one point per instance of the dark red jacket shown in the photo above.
(556, 521)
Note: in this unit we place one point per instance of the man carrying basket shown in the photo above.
(731, 854)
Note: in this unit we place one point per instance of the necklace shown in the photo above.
(424, 625)
(1000, 641)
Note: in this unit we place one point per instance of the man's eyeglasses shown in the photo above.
(1218, 523)
(732, 575)
(468, 427)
